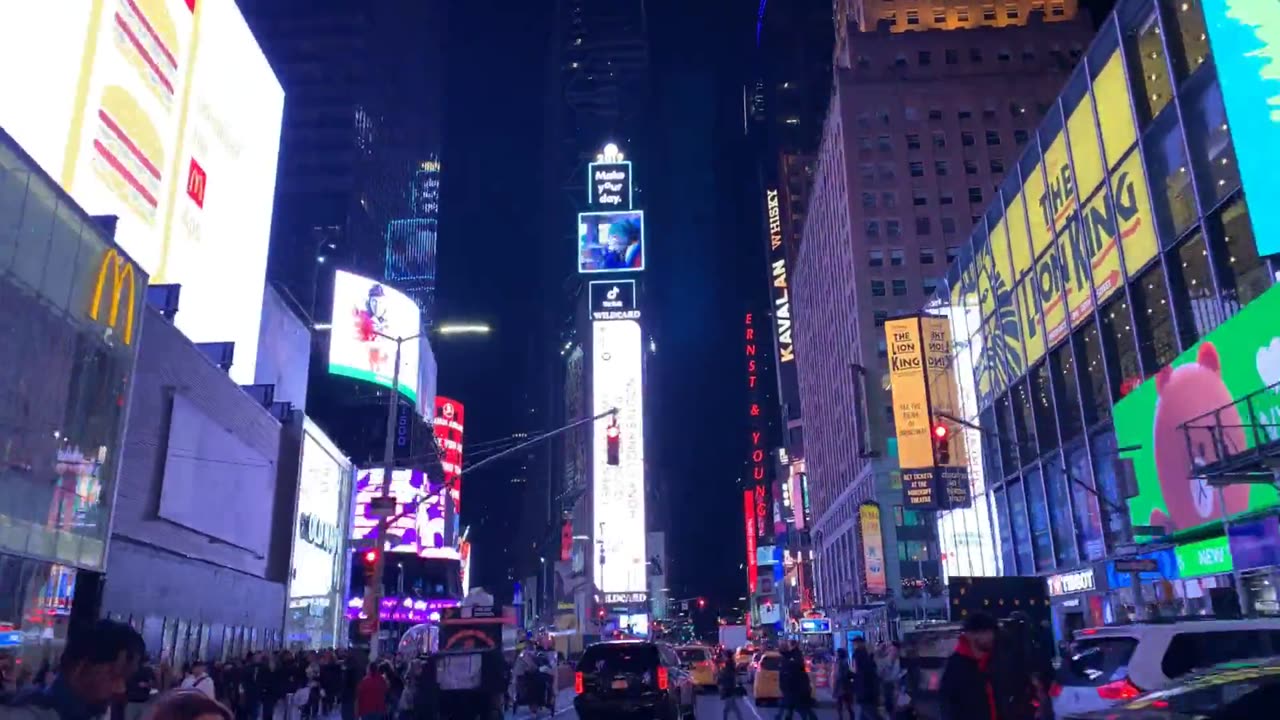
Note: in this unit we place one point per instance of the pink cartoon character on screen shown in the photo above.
(1186, 392)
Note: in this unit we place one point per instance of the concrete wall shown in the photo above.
(157, 566)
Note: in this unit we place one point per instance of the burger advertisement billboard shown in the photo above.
(367, 316)
(165, 114)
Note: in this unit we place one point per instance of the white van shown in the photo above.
(1109, 665)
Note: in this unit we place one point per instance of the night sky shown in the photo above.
(700, 261)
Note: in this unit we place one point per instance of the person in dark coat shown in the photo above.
(797, 693)
(966, 691)
(866, 681)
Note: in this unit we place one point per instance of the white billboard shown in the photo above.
(165, 114)
(617, 491)
(317, 529)
(366, 315)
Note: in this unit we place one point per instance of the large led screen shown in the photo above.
(1239, 358)
(418, 523)
(611, 241)
(366, 315)
(618, 490)
(317, 539)
(166, 114)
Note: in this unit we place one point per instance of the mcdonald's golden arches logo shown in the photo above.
(121, 273)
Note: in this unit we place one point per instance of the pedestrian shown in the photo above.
(188, 704)
(96, 665)
(199, 679)
(731, 692)
(273, 687)
(966, 692)
(842, 685)
(797, 692)
(371, 695)
(866, 681)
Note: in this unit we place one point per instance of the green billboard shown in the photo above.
(1239, 357)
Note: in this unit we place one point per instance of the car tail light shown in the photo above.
(662, 678)
(1055, 690)
(577, 683)
(1119, 690)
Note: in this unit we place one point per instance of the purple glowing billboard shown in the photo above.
(418, 525)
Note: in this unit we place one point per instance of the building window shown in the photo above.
(951, 57)
(886, 171)
(911, 114)
(962, 15)
(923, 226)
(893, 228)
(868, 200)
(948, 226)
(1213, 156)
(1124, 367)
(1067, 400)
(953, 252)
(1042, 407)
(924, 57)
(899, 287)
(1038, 515)
(1198, 307)
(1091, 375)
(875, 258)
(867, 172)
(997, 167)
(970, 167)
(1152, 88)
(939, 140)
(1157, 343)
(1028, 55)
(882, 348)
(883, 117)
(1021, 533)
(1060, 517)
(1170, 178)
(864, 119)
(913, 142)
(993, 137)
(866, 143)
(935, 114)
(884, 143)
(913, 17)
(967, 139)
(873, 228)
(964, 115)
(926, 256)
(919, 198)
(1190, 47)
(939, 16)
(916, 168)
(989, 14)
(1242, 275)
(1020, 137)
(940, 167)
(930, 285)
(975, 55)
(877, 288)
(946, 199)
(897, 257)
(1004, 56)
(900, 62)
(880, 317)
(889, 199)
(975, 196)
(1011, 11)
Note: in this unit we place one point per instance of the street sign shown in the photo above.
(1148, 530)
(1138, 565)
(381, 507)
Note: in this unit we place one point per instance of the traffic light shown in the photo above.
(702, 603)
(941, 444)
(370, 560)
(612, 443)
(370, 557)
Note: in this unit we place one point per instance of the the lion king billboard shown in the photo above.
(1239, 357)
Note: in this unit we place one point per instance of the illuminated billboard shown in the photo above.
(618, 490)
(366, 316)
(447, 426)
(610, 185)
(165, 114)
(610, 241)
(418, 526)
(613, 300)
(318, 541)
(1245, 37)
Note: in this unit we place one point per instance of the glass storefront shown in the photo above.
(1121, 238)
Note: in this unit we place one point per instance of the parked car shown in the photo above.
(1231, 691)
(1107, 666)
(633, 678)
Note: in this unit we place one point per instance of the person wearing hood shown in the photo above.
(966, 692)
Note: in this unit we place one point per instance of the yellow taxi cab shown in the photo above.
(701, 663)
(767, 687)
(742, 658)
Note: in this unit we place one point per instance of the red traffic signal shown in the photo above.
(613, 444)
(941, 444)
(702, 603)
(370, 557)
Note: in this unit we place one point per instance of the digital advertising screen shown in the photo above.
(367, 314)
(447, 427)
(611, 241)
(318, 539)
(419, 524)
(610, 186)
(166, 114)
(618, 490)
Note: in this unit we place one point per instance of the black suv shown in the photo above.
(632, 677)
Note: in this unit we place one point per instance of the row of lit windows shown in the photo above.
(987, 13)
(938, 139)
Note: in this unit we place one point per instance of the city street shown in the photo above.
(709, 707)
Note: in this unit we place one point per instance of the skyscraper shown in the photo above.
(921, 127)
(360, 149)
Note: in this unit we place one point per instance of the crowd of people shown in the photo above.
(104, 670)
